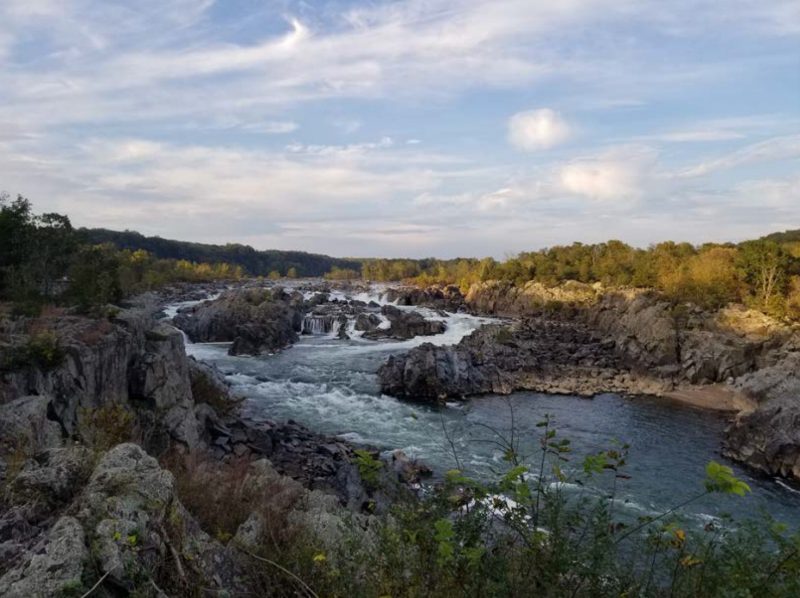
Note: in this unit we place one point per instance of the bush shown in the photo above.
(42, 350)
(522, 535)
(107, 426)
(205, 391)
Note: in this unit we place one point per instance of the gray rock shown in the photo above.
(404, 325)
(51, 479)
(25, 425)
(254, 320)
(57, 568)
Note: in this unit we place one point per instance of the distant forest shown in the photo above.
(252, 261)
(43, 258)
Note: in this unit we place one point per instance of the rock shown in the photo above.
(130, 365)
(409, 470)
(367, 322)
(538, 355)
(503, 298)
(254, 320)
(131, 503)
(51, 479)
(447, 298)
(53, 571)
(26, 426)
(768, 438)
(404, 325)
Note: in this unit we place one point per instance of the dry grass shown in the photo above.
(94, 332)
(222, 495)
(107, 426)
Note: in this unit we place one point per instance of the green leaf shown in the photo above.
(720, 478)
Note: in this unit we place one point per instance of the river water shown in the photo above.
(331, 386)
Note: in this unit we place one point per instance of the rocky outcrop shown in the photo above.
(504, 298)
(129, 368)
(684, 342)
(56, 568)
(79, 508)
(768, 437)
(539, 355)
(126, 525)
(448, 298)
(403, 325)
(254, 320)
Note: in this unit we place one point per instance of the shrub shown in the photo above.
(521, 535)
(223, 495)
(105, 427)
(369, 467)
(504, 336)
(205, 391)
(41, 350)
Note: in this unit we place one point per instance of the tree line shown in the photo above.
(762, 273)
(271, 263)
(43, 259)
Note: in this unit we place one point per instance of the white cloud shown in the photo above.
(769, 150)
(537, 129)
(617, 175)
(272, 127)
(698, 135)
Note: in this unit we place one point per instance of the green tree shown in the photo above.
(94, 277)
(764, 267)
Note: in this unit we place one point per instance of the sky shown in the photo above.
(406, 128)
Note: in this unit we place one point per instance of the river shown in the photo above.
(331, 386)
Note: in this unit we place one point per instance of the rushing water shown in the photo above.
(330, 385)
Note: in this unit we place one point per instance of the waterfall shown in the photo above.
(315, 324)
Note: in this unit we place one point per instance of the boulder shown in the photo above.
(404, 325)
(56, 569)
(254, 320)
(26, 426)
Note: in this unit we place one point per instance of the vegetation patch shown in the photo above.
(41, 350)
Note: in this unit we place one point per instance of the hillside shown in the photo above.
(787, 236)
(256, 263)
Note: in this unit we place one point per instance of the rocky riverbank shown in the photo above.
(584, 340)
(92, 413)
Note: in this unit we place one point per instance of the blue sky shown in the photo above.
(406, 128)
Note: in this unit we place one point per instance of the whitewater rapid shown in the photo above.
(331, 386)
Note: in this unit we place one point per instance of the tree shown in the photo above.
(54, 245)
(16, 231)
(763, 265)
(94, 277)
(292, 272)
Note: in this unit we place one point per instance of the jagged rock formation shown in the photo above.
(539, 355)
(77, 505)
(254, 320)
(129, 362)
(768, 437)
(448, 298)
(577, 339)
(403, 325)
(504, 298)
(124, 522)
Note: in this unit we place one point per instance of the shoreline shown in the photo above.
(712, 397)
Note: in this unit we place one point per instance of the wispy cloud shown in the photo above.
(265, 124)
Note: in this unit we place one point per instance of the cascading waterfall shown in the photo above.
(316, 324)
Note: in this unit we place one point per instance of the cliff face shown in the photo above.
(130, 361)
(80, 501)
(574, 339)
(768, 437)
